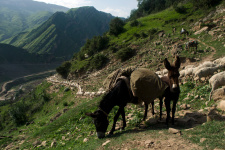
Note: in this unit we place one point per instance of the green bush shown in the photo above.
(64, 69)
(205, 3)
(136, 35)
(18, 113)
(152, 31)
(125, 54)
(116, 26)
(98, 61)
(45, 97)
(143, 35)
(65, 104)
(134, 23)
(113, 49)
(180, 9)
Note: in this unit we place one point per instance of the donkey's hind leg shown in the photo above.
(146, 111)
(160, 104)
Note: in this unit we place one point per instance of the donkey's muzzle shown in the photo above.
(100, 135)
(174, 86)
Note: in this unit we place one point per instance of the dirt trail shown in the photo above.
(209, 57)
(56, 80)
(158, 141)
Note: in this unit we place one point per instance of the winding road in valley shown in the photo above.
(19, 81)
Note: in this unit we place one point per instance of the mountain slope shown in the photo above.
(19, 15)
(10, 54)
(63, 33)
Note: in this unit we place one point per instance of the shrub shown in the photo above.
(116, 26)
(98, 61)
(136, 35)
(143, 35)
(64, 69)
(65, 104)
(113, 49)
(134, 23)
(152, 31)
(180, 9)
(71, 103)
(18, 113)
(125, 54)
(205, 3)
(45, 97)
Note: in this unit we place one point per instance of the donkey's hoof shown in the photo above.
(111, 133)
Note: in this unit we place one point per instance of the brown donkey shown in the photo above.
(172, 92)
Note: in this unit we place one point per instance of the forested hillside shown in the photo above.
(13, 55)
(20, 15)
(63, 33)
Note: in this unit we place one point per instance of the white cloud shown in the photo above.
(68, 3)
(116, 12)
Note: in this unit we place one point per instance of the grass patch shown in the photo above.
(213, 132)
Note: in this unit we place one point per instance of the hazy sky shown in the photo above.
(120, 8)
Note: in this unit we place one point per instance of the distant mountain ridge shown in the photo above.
(64, 33)
(20, 15)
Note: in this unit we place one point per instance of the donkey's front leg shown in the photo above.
(115, 120)
(174, 110)
(160, 104)
(124, 119)
(167, 103)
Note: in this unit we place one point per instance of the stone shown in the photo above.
(43, 143)
(214, 115)
(63, 137)
(21, 142)
(10, 146)
(185, 106)
(221, 105)
(219, 94)
(174, 131)
(65, 110)
(151, 121)
(104, 144)
(202, 140)
(149, 143)
(36, 143)
(85, 140)
(202, 30)
(187, 121)
(53, 144)
(211, 33)
(197, 96)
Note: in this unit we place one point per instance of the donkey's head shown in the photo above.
(173, 74)
(101, 122)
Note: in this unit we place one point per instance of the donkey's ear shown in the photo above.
(91, 115)
(177, 62)
(167, 64)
